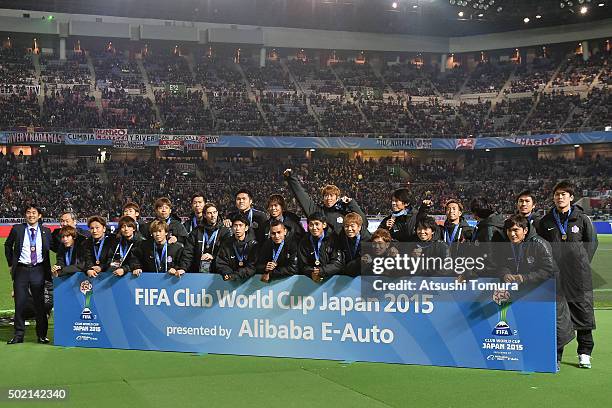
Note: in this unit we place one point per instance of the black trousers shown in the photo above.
(30, 280)
(585, 341)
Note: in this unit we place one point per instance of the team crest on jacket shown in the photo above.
(339, 220)
(575, 229)
(530, 259)
(255, 224)
(169, 259)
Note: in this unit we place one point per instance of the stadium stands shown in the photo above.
(87, 188)
(294, 96)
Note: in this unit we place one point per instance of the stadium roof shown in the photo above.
(427, 17)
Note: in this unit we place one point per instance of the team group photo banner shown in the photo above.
(425, 321)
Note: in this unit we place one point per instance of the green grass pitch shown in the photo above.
(106, 378)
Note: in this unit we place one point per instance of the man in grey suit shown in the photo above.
(27, 252)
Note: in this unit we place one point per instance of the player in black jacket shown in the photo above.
(131, 209)
(158, 254)
(400, 223)
(277, 256)
(256, 219)
(334, 207)
(238, 254)
(197, 216)
(70, 256)
(163, 212)
(98, 248)
(525, 206)
(428, 247)
(276, 211)
(318, 254)
(203, 243)
(574, 242)
(529, 260)
(126, 246)
(349, 242)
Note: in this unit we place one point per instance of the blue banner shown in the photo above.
(295, 317)
(603, 227)
(303, 142)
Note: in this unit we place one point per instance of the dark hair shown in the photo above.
(240, 218)
(162, 201)
(96, 218)
(34, 206)
(566, 186)
(481, 207)
(196, 195)
(526, 193)
(317, 216)
(276, 199)
(126, 220)
(517, 220)
(132, 205)
(244, 191)
(402, 194)
(426, 222)
(208, 205)
(276, 223)
(68, 230)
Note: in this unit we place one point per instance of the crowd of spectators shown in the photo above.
(288, 112)
(488, 77)
(73, 70)
(532, 77)
(71, 109)
(165, 69)
(58, 184)
(183, 111)
(115, 70)
(270, 78)
(302, 97)
(551, 112)
(121, 110)
(410, 79)
(16, 67)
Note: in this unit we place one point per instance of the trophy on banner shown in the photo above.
(87, 290)
(502, 298)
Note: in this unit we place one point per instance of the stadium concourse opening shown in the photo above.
(354, 201)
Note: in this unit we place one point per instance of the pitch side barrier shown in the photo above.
(395, 312)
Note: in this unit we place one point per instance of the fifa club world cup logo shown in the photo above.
(502, 298)
(87, 290)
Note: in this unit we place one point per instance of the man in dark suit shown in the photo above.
(27, 252)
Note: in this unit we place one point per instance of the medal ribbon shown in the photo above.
(98, 252)
(242, 255)
(562, 227)
(276, 254)
(164, 256)
(317, 248)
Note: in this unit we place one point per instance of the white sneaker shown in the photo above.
(584, 361)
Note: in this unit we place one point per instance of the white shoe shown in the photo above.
(584, 361)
